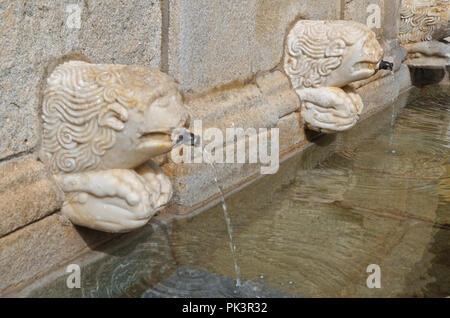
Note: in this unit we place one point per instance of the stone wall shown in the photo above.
(225, 55)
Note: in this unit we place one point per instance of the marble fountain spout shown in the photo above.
(102, 125)
(321, 58)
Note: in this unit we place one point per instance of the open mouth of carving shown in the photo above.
(155, 134)
(364, 66)
(153, 138)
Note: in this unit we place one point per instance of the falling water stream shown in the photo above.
(227, 218)
(184, 136)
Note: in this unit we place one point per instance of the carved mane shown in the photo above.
(417, 23)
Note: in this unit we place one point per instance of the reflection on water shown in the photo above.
(382, 198)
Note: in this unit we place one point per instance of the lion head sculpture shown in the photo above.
(330, 54)
(101, 126)
(99, 116)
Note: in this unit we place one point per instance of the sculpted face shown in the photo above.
(359, 62)
(102, 125)
(100, 116)
(147, 131)
(321, 59)
(330, 53)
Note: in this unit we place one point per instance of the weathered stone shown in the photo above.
(216, 42)
(367, 12)
(193, 183)
(27, 193)
(249, 106)
(380, 15)
(276, 88)
(34, 35)
(37, 247)
(239, 107)
(291, 131)
(390, 21)
(118, 267)
(209, 44)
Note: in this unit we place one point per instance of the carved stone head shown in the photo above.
(330, 53)
(320, 58)
(99, 116)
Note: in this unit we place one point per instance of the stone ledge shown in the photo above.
(27, 193)
(138, 254)
(43, 244)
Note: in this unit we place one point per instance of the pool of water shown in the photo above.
(382, 197)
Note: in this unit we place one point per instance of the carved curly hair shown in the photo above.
(417, 24)
(85, 105)
(315, 48)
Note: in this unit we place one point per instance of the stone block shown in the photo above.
(119, 268)
(276, 88)
(367, 12)
(291, 131)
(27, 193)
(212, 43)
(382, 16)
(36, 248)
(36, 34)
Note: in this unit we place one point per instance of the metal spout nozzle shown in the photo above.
(182, 136)
(385, 65)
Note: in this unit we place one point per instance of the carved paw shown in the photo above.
(329, 109)
(117, 200)
(158, 182)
